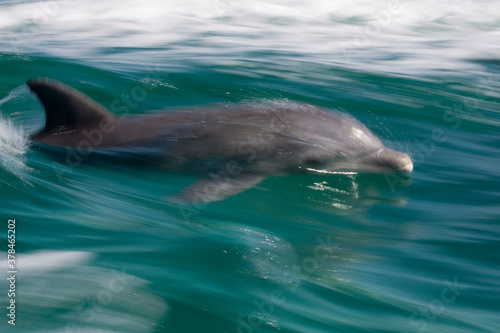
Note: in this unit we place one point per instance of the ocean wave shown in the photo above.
(413, 36)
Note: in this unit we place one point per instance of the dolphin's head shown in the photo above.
(346, 145)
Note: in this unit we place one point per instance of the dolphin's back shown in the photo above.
(270, 126)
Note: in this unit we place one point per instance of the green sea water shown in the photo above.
(100, 248)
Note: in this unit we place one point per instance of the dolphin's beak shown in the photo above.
(384, 160)
(394, 160)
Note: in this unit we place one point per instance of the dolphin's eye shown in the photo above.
(313, 160)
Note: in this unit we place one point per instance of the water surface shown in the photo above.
(100, 248)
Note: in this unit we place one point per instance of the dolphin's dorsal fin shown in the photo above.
(66, 109)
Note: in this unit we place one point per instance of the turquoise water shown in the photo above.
(99, 248)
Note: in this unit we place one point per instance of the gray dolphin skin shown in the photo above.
(234, 146)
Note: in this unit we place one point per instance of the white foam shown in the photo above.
(62, 289)
(425, 34)
(13, 144)
(40, 261)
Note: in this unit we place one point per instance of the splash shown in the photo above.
(332, 172)
(13, 147)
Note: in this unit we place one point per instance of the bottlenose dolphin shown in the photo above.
(234, 146)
